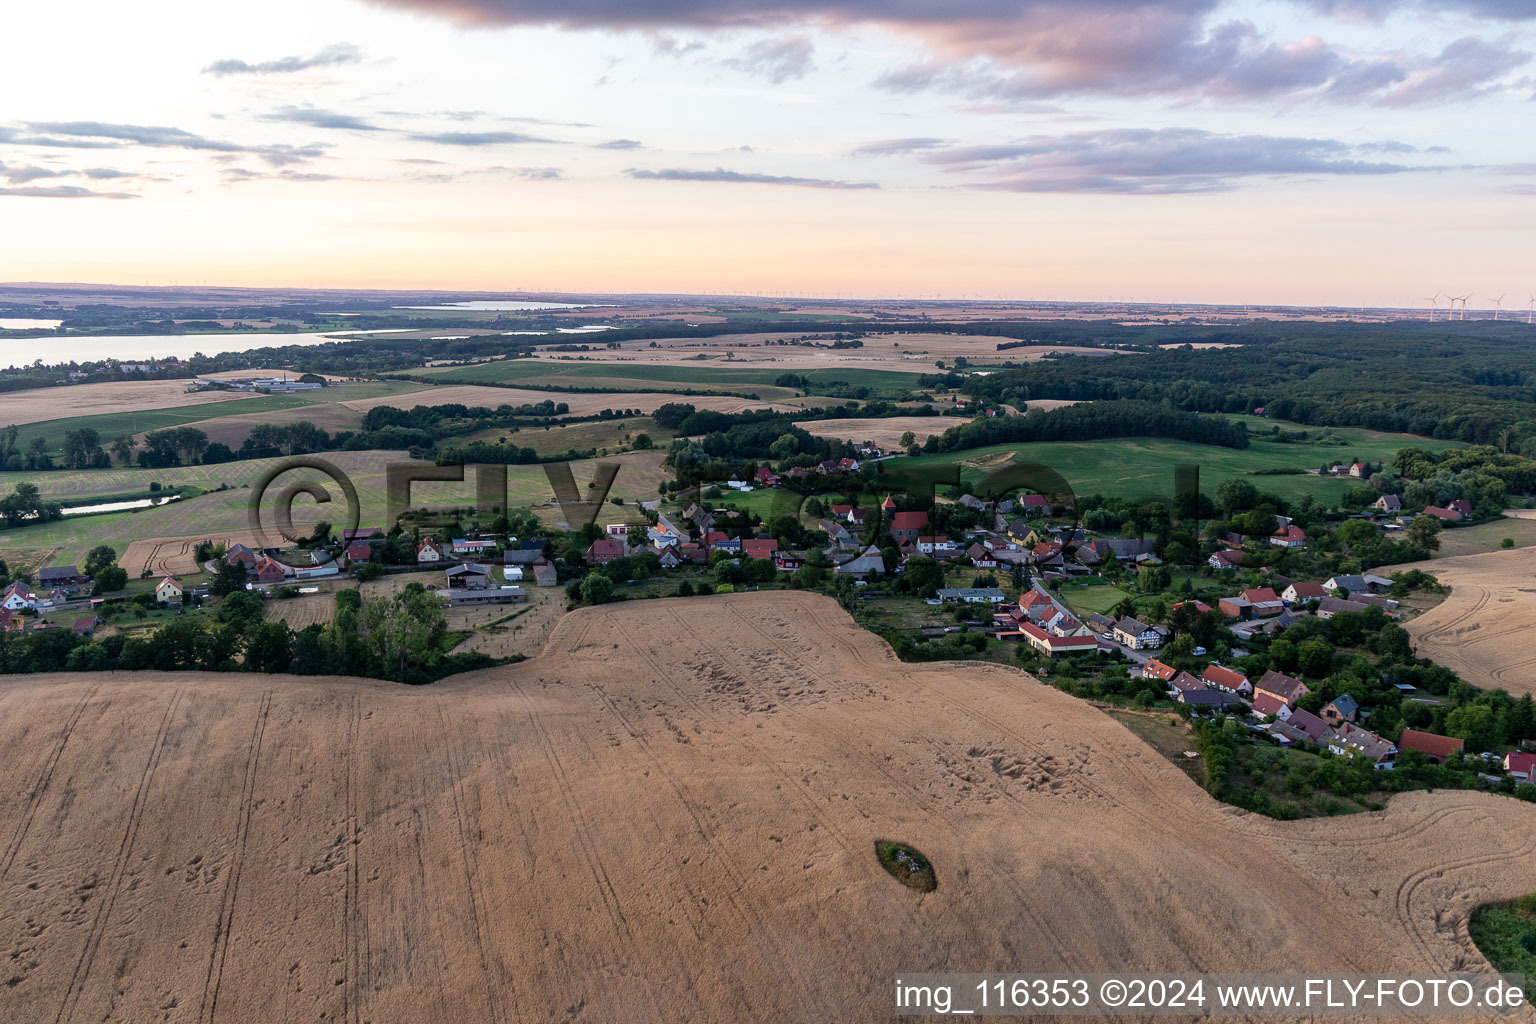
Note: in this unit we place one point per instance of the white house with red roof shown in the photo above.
(17, 597)
(1290, 537)
(168, 590)
(428, 551)
(1521, 765)
(1222, 678)
(1050, 646)
(1231, 558)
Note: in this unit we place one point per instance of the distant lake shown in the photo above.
(23, 324)
(135, 348)
(491, 306)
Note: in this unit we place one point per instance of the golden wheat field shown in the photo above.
(39, 404)
(667, 816)
(1482, 630)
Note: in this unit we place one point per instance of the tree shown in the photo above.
(268, 647)
(228, 578)
(1314, 658)
(908, 439)
(98, 558)
(923, 576)
(1424, 532)
(643, 442)
(122, 447)
(1236, 495)
(1474, 723)
(110, 580)
(596, 588)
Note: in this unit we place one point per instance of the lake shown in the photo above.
(17, 323)
(137, 348)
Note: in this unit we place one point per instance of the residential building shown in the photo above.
(428, 551)
(1267, 705)
(1155, 669)
(359, 551)
(1352, 741)
(868, 563)
(1450, 515)
(1281, 686)
(1263, 601)
(972, 595)
(1341, 709)
(1050, 646)
(1289, 537)
(1228, 559)
(1391, 504)
(1439, 749)
(1183, 682)
(1298, 593)
(1230, 680)
(241, 554)
(1315, 729)
(269, 570)
(1214, 699)
(1137, 635)
(1521, 765)
(1368, 582)
(604, 550)
(908, 525)
(759, 547)
(1328, 607)
(168, 591)
(17, 597)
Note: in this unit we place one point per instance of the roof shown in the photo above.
(359, 549)
(759, 548)
(1345, 704)
(1309, 591)
(58, 572)
(178, 586)
(1155, 669)
(1057, 642)
(1441, 513)
(991, 594)
(1442, 747)
(1520, 762)
(1332, 605)
(1132, 627)
(1220, 675)
(1316, 729)
(909, 520)
(428, 542)
(1260, 595)
(1184, 681)
(1209, 697)
(1363, 741)
(1282, 685)
(1034, 501)
(1200, 606)
(1293, 533)
(1266, 704)
(1230, 557)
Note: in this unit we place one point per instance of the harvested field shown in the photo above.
(306, 609)
(1047, 404)
(886, 432)
(667, 816)
(580, 404)
(41, 404)
(173, 556)
(1482, 630)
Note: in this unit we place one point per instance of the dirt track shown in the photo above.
(1482, 630)
(668, 816)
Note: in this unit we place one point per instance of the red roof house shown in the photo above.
(1438, 749)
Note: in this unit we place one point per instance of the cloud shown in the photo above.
(721, 174)
(1466, 69)
(316, 117)
(1021, 51)
(535, 173)
(477, 138)
(236, 175)
(777, 60)
(896, 147)
(619, 144)
(102, 135)
(64, 192)
(1139, 161)
(20, 175)
(334, 55)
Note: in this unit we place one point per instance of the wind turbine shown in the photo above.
(1530, 311)
(1461, 299)
(1498, 305)
(1433, 300)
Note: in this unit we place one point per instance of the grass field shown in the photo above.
(111, 425)
(1475, 540)
(712, 375)
(1135, 467)
(228, 511)
(1089, 596)
(613, 435)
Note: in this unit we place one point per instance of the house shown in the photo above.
(981, 556)
(1034, 505)
(359, 551)
(1439, 749)
(604, 550)
(1521, 765)
(1230, 680)
(908, 525)
(1228, 559)
(1281, 686)
(668, 558)
(759, 547)
(1132, 550)
(659, 536)
(938, 547)
(169, 591)
(10, 621)
(241, 554)
(1101, 625)
(1050, 646)
(469, 576)
(867, 563)
(1046, 555)
(1035, 605)
(1094, 552)
(1341, 709)
(65, 577)
(1328, 607)
(85, 626)
(18, 596)
(617, 529)
(1368, 582)
(1315, 729)
(545, 575)
(1358, 470)
(1183, 682)
(1391, 504)
(1298, 593)
(1267, 705)
(1200, 607)
(1136, 635)
(1352, 741)
(1214, 699)
(428, 551)
(694, 554)
(1450, 515)
(463, 546)
(1155, 669)
(1263, 601)
(765, 477)
(269, 570)
(972, 595)
(1463, 506)
(1289, 537)
(786, 561)
(1062, 624)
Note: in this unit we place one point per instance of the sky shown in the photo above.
(1339, 152)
